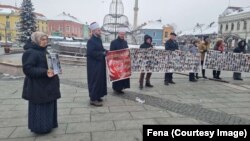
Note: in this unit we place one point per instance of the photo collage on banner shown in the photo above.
(155, 60)
(227, 61)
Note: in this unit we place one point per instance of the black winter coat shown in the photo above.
(171, 45)
(145, 44)
(38, 88)
(119, 44)
(240, 48)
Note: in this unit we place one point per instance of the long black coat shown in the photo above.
(96, 69)
(38, 88)
(240, 48)
(119, 44)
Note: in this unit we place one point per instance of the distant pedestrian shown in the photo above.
(41, 87)
(240, 49)
(193, 76)
(146, 45)
(118, 44)
(203, 48)
(96, 66)
(219, 46)
(170, 45)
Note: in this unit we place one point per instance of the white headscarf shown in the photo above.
(36, 37)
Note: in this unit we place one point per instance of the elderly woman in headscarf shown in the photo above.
(41, 87)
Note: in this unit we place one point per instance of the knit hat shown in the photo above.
(94, 26)
(36, 37)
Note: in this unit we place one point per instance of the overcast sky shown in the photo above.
(184, 13)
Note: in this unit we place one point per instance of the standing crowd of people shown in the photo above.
(42, 87)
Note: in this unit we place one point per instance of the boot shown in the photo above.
(218, 75)
(192, 77)
(214, 74)
(148, 76)
(197, 76)
(203, 73)
(141, 80)
(237, 76)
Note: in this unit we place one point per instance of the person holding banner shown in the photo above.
(119, 44)
(203, 48)
(170, 45)
(96, 66)
(240, 49)
(219, 46)
(194, 50)
(146, 45)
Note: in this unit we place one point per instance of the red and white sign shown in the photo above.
(118, 64)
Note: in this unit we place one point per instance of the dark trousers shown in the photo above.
(203, 70)
(148, 76)
(168, 77)
(192, 76)
(216, 74)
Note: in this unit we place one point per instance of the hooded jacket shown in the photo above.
(145, 44)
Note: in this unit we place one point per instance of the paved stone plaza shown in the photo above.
(121, 118)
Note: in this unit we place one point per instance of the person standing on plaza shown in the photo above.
(240, 49)
(170, 45)
(203, 48)
(146, 45)
(41, 87)
(194, 50)
(219, 46)
(119, 44)
(96, 66)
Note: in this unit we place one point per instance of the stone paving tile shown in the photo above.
(22, 132)
(126, 108)
(76, 111)
(6, 107)
(13, 122)
(19, 139)
(66, 137)
(73, 118)
(6, 132)
(237, 111)
(131, 135)
(84, 127)
(149, 114)
(110, 116)
(180, 121)
(13, 114)
(133, 124)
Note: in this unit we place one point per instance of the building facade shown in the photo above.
(234, 25)
(9, 23)
(65, 25)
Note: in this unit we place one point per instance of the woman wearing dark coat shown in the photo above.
(194, 50)
(146, 45)
(41, 87)
(96, 67)
(240, 49)
(219, 46)
(119, 44)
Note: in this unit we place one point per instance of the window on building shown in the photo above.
(51, 29)
(43, 29)
(67, 28)
(154, 34)
(245, 25)
(238, 26)
(232, 26)
(221, 27)
(8, 25)
(226, 27)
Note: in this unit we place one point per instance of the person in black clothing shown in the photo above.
(118, 44)
(146, 45)
(41, 87)
(96, 67)
(170, 45)
(240, 49)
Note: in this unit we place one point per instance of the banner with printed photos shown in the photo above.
(162, 61)
(54, 63)
(227, 61)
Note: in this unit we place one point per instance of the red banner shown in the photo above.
(118, 64)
